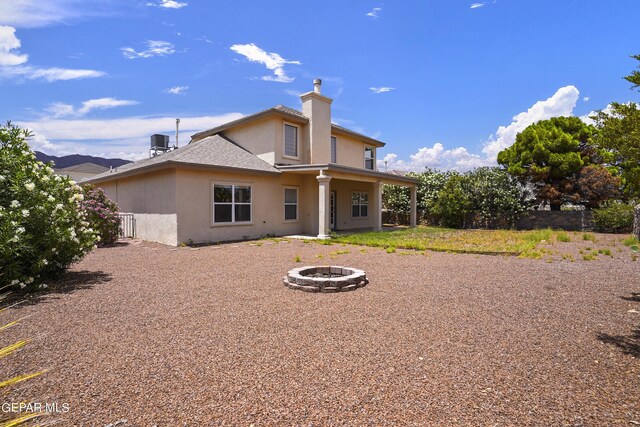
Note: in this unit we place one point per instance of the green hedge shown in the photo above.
(613, 218)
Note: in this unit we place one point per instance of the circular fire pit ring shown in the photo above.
(325, 279)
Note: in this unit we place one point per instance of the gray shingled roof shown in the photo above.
(213, 151)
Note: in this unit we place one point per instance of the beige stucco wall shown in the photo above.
(344, 189)
(151, 198)
(318, 109)
(175, 206)
(350, 152)
(265, 139)
(195, 202)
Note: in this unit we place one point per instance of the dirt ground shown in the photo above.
(144, 334)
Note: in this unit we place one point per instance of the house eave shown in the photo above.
(331, 167)
(172, 164)
(338, 130)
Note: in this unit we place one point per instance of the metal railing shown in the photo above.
(127, 226)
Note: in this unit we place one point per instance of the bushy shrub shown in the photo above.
(102, 214)
(498, 198)
(430, 182)
(42, 228)
(614, 217)
(397, 201)
(485, 197)
(454, 202)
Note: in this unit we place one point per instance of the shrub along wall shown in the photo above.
(562, 220)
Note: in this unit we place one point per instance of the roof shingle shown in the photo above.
(212, 151)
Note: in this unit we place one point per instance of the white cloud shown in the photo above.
(272, 61)
(435, 157)
(561, 103)
(177, 90)
(103, 104)
(129, 127)
(49, 74)
(126, 138)
(168, 4)
(154, 48)
(587, 117)
(39, 13)
(586, 99)
(476, 5)
(12, 64)
(383, 89)
(8, 43)
(374, 12)
(58, 110)
(204, 39)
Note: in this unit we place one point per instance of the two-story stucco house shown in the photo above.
(277, 172)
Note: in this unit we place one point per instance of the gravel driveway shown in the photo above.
(209, 336)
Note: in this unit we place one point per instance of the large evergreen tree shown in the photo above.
(550, 154)
(619, 140)
(634, 77)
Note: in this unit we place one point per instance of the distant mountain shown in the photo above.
(77, 159)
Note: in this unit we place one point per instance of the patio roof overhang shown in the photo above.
(350, 173)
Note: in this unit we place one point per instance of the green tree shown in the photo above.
(454, 201)
(498, 198)
(550, 154)
(619, 140)
(430, 182)
(634, 77)
(396, 200)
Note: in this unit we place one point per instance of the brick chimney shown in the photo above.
(317, 108)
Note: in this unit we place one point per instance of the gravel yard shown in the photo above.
(210, 336)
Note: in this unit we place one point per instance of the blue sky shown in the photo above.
(446, 83)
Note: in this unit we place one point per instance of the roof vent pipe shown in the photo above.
(177, 128)
(316, 86)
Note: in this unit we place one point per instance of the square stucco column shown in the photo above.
(414, 206)
(377, 191)
(324, 210)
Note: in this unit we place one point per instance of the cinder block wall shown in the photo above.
(561, 220)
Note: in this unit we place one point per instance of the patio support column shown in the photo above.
(324, 210)
(377, 218)
(414, 206)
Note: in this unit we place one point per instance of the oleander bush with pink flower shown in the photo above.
(43, 228)
(102, 214)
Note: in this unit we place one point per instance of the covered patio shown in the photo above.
(351, 198)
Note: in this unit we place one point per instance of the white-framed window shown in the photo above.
(369, 158)
(290, 204)
(334, 149)
(290, 140)
(359, 204)
(231, 203)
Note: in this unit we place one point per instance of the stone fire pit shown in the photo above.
(325, 279)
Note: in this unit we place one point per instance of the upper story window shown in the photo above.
(369, 158)
(231, 203)
(334, 149)
(290, 140)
